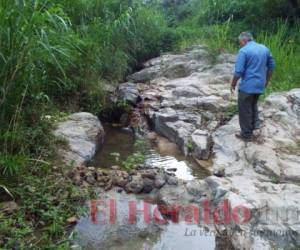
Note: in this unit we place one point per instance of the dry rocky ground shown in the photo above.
(187, 99)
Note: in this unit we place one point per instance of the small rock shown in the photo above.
(172, 169)
(72, 220)
(91, 169)
(99, 173)
(128, 92)
(115, 168)
(85, 184)
(82, 173)
(81, 167)
(101, 184)
(124, 119)
(201, 145)
(148, 185)
(90, 178)
(220, 172)
(105, 172)
(132, 172)
(121, 182)
(170, 174)
(149, 174)
(136, 185)
(106, 178)
(77, 179)
(116, 125)
(109, 185)
(71, 174)
(197, 188)
(172, 181)
(124, 174)
(160, 180)
(9, 207)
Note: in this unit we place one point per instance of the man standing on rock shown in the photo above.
(254, 66)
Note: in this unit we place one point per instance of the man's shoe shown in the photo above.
(243, 138)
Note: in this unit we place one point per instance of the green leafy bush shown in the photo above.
(56, 55)
(218, 23)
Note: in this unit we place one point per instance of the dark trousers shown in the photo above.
(248, 113)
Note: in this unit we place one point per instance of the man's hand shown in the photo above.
(269, 77)
(233, 84)
(232, 88)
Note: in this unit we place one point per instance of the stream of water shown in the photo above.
(121, 235)
(158, 153)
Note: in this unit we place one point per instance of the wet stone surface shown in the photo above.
(164, 164)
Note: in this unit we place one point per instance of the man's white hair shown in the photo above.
(246, 36)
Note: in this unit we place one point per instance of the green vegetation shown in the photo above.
(59, 56)
(46, 199)
(190, 146)
(138, 157)
(135, 159)
(131, 162)
(275, 179)
(217, 23)
(56, 57)
(230, 112)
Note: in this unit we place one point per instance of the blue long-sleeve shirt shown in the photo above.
(253, 62)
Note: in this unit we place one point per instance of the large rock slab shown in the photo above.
(262, 175)
(128, 92)
(178, 132)
(276, 154)
(189, 102)
(178, 90)
(273, 210)
(83, 133)
(173, 66)
(145, 75)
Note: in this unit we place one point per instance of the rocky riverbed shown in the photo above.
(186, 98)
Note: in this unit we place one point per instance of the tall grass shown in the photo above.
(284, 47)
(218, 37)
(283, 43)
(36, 50)
(57, 54)
(217, 23)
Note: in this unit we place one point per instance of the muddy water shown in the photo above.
(158, 153)
(117, 140)
(122, 235)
